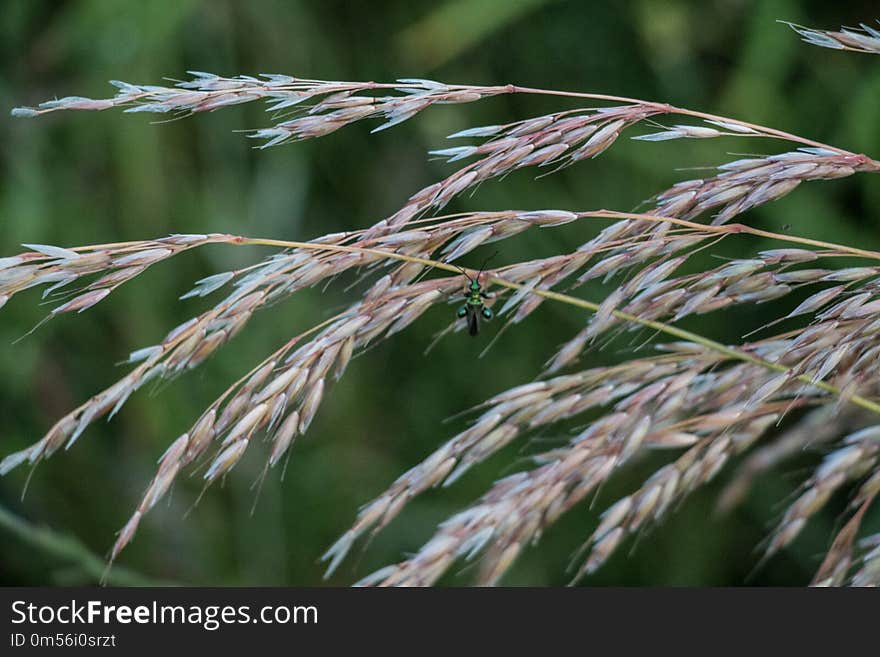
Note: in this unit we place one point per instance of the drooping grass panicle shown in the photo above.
(703, 401)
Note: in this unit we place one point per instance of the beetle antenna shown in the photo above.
(486, 262)
(464, 272)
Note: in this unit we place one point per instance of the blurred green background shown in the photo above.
(80, 178)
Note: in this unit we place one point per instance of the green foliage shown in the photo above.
(83, 179)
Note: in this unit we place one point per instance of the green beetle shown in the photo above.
(474, 309)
